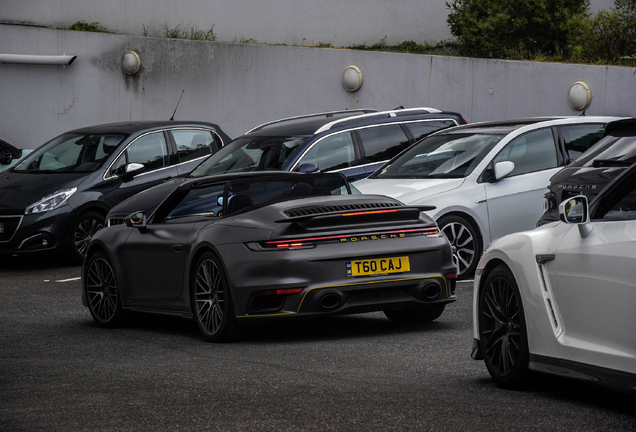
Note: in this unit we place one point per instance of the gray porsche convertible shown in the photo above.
(232, 250)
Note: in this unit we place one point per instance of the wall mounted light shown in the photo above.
(62, 60)
(130, 63)
(579, 95)
(352, 79)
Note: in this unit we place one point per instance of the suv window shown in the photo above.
(421, 129)
(534, 151)
(193, 143)
(332, 152)
(149, 150)
(383, 142)
(579, 138)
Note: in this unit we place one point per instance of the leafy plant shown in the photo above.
(92, 27)
(501, 28)
(191, 33)
(604, 38)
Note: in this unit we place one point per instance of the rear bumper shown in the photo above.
(321, 282)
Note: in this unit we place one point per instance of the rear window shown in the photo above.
(383, 142)
(609, 149)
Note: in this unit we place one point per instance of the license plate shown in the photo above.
(378, 266)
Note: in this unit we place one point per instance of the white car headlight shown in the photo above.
(51, 202)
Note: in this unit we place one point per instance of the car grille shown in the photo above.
(310, 211)
(8, 227)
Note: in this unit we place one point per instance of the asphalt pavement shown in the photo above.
(59, 371)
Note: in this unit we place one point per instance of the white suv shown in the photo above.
(485, 180)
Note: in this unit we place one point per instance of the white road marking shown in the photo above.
(69, 280)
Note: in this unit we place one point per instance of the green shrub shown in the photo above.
(503, 28)
(601, 38)
(92, 27)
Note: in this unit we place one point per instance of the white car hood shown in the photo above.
(408, 190)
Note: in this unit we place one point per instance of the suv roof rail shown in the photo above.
(324, 114)
(389, 114)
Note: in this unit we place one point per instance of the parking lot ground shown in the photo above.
(59, 371)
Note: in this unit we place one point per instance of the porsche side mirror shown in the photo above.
(576, 211)
(503, 169)
(136, 220)
(308, 168)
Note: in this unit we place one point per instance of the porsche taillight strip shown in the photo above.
(369, 212)
(428, 231)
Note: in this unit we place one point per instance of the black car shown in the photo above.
(232, 250)
(611, 153)
(57, 197)
(354, 143)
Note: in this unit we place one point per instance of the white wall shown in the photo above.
(292, 22)
(240, 86)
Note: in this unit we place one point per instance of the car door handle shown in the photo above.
(177, 247)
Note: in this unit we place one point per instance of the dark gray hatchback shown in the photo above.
(57, 197)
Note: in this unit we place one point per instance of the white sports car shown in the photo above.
(560, 299)
(486, 180)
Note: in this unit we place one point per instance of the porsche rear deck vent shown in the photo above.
(310, 211)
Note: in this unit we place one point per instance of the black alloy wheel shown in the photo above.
(85, 227)
(102, 293)
(415, 314)
(502, 329)
(465, 243)
(212, 302)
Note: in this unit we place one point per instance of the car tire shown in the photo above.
(465, 242)
(84, 228)
(502, 329)
(211, 299)
(415, 314)
(101, 290)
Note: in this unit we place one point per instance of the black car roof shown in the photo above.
(310, 125)
(131, 127)
(625, 127)
(216, 178)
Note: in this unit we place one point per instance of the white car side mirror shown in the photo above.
(503, 169)
(576, 211)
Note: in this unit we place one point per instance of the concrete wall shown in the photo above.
(240, 86)
(292, 22)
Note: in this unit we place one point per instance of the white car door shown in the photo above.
(595, 289)
(515, 203)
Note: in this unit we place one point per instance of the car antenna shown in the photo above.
(175, 108)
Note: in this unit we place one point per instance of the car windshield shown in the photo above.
(250, 153)
(607, 150)
(238, 195)
(441, 156)
(71, 152)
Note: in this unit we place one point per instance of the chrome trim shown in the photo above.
(286, 119)
(16, 228)
(390, 113)
(27, 239)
